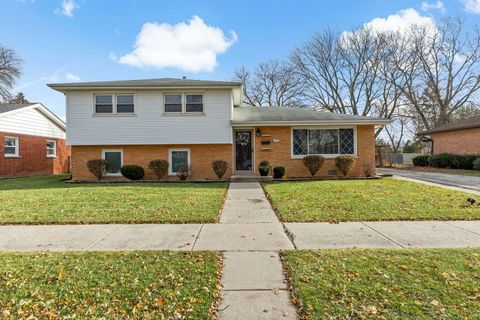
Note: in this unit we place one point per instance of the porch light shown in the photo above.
(258, 133)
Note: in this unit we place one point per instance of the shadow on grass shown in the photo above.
(57, 182)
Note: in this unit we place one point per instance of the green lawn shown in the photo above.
(367, 200)
(49, 200)
(386, 284)
(107, 285)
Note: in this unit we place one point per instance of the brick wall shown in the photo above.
(201, 157)
(280, 153)
(457, 142)
(32, 159)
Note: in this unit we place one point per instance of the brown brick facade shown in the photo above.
(457, 142)
(32, 159)
(201, 156)
(280, 153)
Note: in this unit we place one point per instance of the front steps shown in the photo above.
(251, 179)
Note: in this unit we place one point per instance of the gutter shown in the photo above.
(309, 122)
(72, 88)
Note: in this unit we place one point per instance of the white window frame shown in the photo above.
(327, 156)
(184, 95)
(17, 147)
(125, 94)
(95, 103)
(170, 167)
(114, 104)
(121, 161)
(182, 102)
(194, 94)
(54, 149)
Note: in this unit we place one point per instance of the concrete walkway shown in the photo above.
(254, 285)
(467, 183)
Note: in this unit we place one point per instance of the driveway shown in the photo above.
(466, 182)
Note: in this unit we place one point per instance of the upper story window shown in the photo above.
(11, 148)
(124, 103)
(183, 103)
(194, 103)
(51, 148)
(323, 142)
(173, 103)
(103, 104)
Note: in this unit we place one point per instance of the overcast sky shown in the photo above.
(88, 40)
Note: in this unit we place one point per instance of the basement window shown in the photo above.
(178, 158)
(114, 160)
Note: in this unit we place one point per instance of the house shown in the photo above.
(33, 139)
(459, 137)
(193, 122)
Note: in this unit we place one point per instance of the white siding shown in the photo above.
(149, 125)
(32, 122)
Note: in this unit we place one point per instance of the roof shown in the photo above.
(470, 123)
(146, 83)
(284, 115)
(6, 107)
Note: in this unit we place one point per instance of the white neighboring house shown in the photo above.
(33, 141)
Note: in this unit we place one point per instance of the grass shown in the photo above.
(386, 284)
(107, 285)
(367, 200)
(48, 200)
(462, 172)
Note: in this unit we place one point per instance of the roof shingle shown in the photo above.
(286, 115)
(470, 123)
(161, 82)
(6, 107)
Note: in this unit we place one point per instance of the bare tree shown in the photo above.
(350, 72)
(343, 72)
(19, 98)
(396, 131)
(272, 83)
(10, 70)
(440, 68)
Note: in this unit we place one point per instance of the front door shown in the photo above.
(243, 150)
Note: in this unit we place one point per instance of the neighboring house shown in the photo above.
(459, 137)
(193, 122)
(33, 139)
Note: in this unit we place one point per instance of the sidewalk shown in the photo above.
(241, 236)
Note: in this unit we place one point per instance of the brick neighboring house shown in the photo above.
(193, 122)
(33, 141)
(459, 137)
